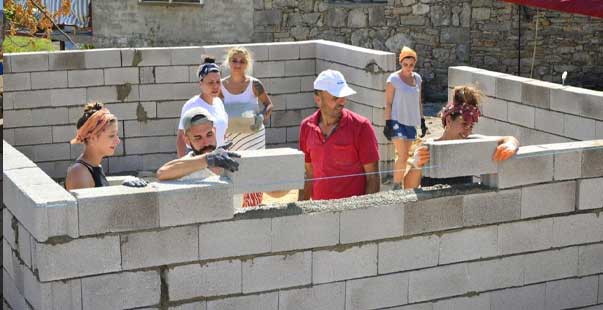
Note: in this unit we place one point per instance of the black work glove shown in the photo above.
(134, 182)
(223, 159)
(423, 127)
(388, 130)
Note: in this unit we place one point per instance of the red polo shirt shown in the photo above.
(343, 153)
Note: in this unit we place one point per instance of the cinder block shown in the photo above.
(355, 262)
(287, 118)
(362, 58)
(307, 49)
(276, 135)
(47, 152)
(50, 79)
(521, 114)
(528, 166)
(521, 298)
(68, 97)
(268, 170)
(438, 282)
(283, 51)
(180, 203)
(24, 245)
(259, 51)
(592, 163)
(51, 295)
(187, 55)
(13, 159)
(492, 207)
(155, 248)
(580, 128)
(293, 134)
(280, 271)
(67, 60)
(377, 292)
(590, 195)
(537, 93)
(371, 224)
(11, 294)
(77, 258)
(283, 85)
(147, 75)
(156, 92)
(27, 62)
(28, 99)
(152, 127)
(152, 162)
(173, 74)
(300, 67)
(453, 158)
(356, 76)
(199, 305)
(40, 204)
(508, 87)
(549, 121)
(485, 81)
(468, 244)
(116, 208)
(433, 215)
(243, 237)
(268, 301)
(304, 231)
(601, 288)
(578, 101)
(32, 135)
(102, 58)
(590, 259)
(459, 75)
(169, 108)
(307, 83)
(495, 108)
(121, 290)
(551, 265)
(110, 94)
(525, 236)
(300, 101)
(547, 199)
(149, 145)
(571, 293)
(131, 111)
(369, 97)
(16, 81)
(567, 165)
(329, 296)
(577, 229)
(79, 78)
(8, 135)
(211, 279)
(408, 254)
(125, 164)
(118, 76)
(8, 231)
(149, 56)
(495, 274)
(269, 69)
(481, 301)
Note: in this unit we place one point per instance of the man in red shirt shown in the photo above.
(340, 147)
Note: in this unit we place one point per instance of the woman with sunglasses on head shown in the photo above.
(458, 118)
(403, 111)
(97, 130)
(209, 99)
(243, 90)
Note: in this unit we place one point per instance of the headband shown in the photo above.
(469, 112)
(93, 125)
(207, 68)
(407, 52)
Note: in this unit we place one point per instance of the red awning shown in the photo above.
(584, 7)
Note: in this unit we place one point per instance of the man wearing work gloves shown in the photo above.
(205, 158)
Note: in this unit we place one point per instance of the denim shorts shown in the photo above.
(402, 131)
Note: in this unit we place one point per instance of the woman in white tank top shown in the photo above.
(242, 89)
(403, 111)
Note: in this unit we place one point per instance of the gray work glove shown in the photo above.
(223, 159)
(134, 182)
(259, 121)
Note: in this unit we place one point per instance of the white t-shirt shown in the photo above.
(217, 111)
(405, 105)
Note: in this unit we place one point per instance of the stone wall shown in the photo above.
(146, 88)
(534, 241)
(534, 111)
(479, 33)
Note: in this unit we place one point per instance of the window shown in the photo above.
(172, 1)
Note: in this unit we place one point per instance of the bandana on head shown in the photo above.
(207, 68)
(470, 113)
(93, 125)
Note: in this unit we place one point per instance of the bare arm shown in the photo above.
(306, 193)
(421, 100)
(414, 175)
(389, 98)
(180, 167)
(78, 176)
(180, 144)
(373, 182)
(260, 92)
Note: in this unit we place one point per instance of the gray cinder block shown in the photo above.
(525, 236)
(371, 223)
(408, 254)
(119, 76)
(468, 244)
(16, 81)
(453, 158)
(547, 199)
(268, 301)
(508, 87)
(79, 78)
(355, 262)
(329, 296)
(280, 271)
(433, 215)
(187, 55)
(121, 290)
(26, 62)
(529, 166)
(149, 56)
(377, 292)
(590, 195)
(495, 273)
(525, 298)
(438, 282)
(590, 259)
(268, 170)
(571, 293)
(577, 229)
(305, 231)
(551, 265)
(243, 237)
(204, 280)
(492, 207)
(172, 74)
(102, 58)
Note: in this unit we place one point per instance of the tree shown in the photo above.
(31, 17)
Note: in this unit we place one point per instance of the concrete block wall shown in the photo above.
(536, 112)
(146, 88)
(536, 244)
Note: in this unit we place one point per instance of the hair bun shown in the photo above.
(93, 107)
(209, 60)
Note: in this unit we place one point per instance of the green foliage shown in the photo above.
(19, 44)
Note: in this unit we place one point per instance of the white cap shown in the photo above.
(333, 82)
